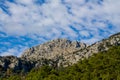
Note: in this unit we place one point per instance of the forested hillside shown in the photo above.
(102, 66)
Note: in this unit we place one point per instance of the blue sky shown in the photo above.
(26, 23)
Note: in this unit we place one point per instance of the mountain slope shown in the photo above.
(56, 50)
(56, 53)
(65, 52)
(101, 66)
(53, 48)
(100, 46)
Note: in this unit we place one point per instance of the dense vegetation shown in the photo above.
(102, 66)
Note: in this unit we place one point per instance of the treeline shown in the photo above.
(101, 66)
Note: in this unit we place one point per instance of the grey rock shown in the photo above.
(15, 64)
(56, 50)
(65, 52)
(56, 53)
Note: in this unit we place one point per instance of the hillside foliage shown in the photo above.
(101, 66)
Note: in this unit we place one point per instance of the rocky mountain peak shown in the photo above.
(65, 52)
(103, 45)
(56, 53)
(53, 49)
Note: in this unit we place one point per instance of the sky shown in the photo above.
(26, 23)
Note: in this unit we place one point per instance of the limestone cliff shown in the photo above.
(56, 53)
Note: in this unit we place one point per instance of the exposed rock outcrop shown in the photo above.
(100, 46)
(55, 50)
(64, 52)
(15, 64)
(56, 53)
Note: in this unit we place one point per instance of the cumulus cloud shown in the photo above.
(13, 51)
(42, 20)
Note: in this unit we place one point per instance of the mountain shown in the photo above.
(102, 66)
(100, 46)
(56, 53)
(64, 52)
(60, 51)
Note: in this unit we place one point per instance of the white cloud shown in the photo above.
(85, 33)
(53, 19)
(39, 19)
(13, 51)
(24, 1)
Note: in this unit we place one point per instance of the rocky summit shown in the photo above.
(56, 53)
(53, 49)
(59, 51)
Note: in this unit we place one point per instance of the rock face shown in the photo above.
(56, 53)
(15, 64)
(64, 52)
(55, 50)
(100, 46)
